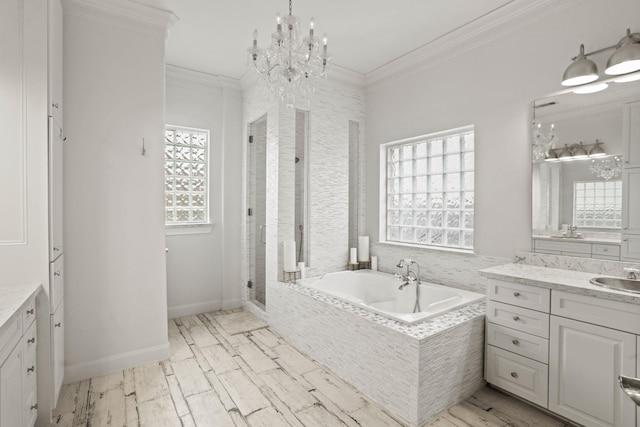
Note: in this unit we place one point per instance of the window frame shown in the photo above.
(200, 226)
(383, 203)
(617, 197)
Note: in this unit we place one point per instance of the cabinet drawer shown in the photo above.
(518, 342)
(28, 312)
(56, 282)
(605, 250)
(521, 376)
(564, 246)
(30, 407)
(521, 295)
(522, 319)
(29, 341)
(10, 334)
(603, 312)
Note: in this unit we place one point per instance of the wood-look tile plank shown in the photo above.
(281, 407)
(200, 358)
(255, 358)
(129, 382)
(238, 419)
(244, 392)
(475, 416)
(177, 396)
(267, 417)
(372, 416)
(179, 348)
(108, 408)
(187, 421)
(67, 399)
(202, 337)
(131, 410)
(63, 420)
(318, 416)
(340, 393)
(328, 404)
(222, 393)
(191, 378)
(83, 403)
(292, 360)
(207, 410)
(446, 420)
(288, 390)
(158, 412)
(265, 337)
(173, 328)
(219, 359)
(150, 382)
(108, 382)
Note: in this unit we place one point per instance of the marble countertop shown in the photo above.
(579, 240)
(12, 297)
(556, 279)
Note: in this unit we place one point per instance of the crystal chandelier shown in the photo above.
(607, 168)
(542, 143)
(291, 67)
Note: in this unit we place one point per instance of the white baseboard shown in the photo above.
(230, 304)
(83, 371)
(191, 309)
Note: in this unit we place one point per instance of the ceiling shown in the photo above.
(212, 35)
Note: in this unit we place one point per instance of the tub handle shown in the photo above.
(515, 342)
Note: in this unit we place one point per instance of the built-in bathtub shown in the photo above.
(379, 293)
(413, 370)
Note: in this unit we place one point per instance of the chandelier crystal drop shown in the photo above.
(607, 168)
(543, 143)
(291, 67)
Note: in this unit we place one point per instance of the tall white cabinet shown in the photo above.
(630, 249)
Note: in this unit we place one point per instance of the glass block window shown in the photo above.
(597, 204)
(186, 154)
(430, 189)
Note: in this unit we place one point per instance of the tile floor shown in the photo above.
(230, 369)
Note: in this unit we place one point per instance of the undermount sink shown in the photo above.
(617, 283)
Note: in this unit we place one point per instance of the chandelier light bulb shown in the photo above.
(278, 19)
(311, 25)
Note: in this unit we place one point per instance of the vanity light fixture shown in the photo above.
(575, 152)
(624, 60)
(597, 150)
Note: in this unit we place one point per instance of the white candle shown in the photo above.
(363, 248)
(354, 258)
(374, 263)
(303, 274)
(290, 255)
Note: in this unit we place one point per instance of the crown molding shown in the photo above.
(125, 14)
(502, 21)
(200, 78)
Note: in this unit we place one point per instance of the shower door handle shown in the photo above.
(262, 236)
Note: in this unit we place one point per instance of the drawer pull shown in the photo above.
(516, 318)
(31, 369)
(57, 273)
(57, 325)
(515, 342)
(31, 340)
(514, 374)
(516, 294)
(56, 248)
(34, 406)
(30, 311)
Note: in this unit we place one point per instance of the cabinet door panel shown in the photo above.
(57, 337)
(584, 363)
(55, 190)
(11, 389)
(631, 200)
(631, 133)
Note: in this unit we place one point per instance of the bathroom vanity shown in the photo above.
(560, 342)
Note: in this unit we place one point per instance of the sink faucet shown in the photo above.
(573, 230)
(633, 273)
(409, 278)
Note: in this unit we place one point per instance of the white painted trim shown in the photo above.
(179, 230)
(196, 308)
(82, 371)
(125, 14)
(232, 303)
(201, 78)
(500, 22)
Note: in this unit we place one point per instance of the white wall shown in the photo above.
(197, 263)
(115, 290)
(491, 86)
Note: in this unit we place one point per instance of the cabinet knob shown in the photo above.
(57, 325)
(515, 342)
(516, 294)
(31, 340)
(31, 369)
(54, 105)
(514, 374)
(57, 273)
(30, 311)
(34, 406)
(56, 248)
(516, 318)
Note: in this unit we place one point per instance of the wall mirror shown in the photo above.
(578, 152)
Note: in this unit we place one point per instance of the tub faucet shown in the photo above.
(633, 273)
(409, 278)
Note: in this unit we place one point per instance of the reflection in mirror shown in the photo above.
(354, 182)
(301, 223)
(578, 151)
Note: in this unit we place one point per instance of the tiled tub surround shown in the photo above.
(415, 371)
(378, 292)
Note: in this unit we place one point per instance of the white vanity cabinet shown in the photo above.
(631, 183)
(18, 368)
(518, 339)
